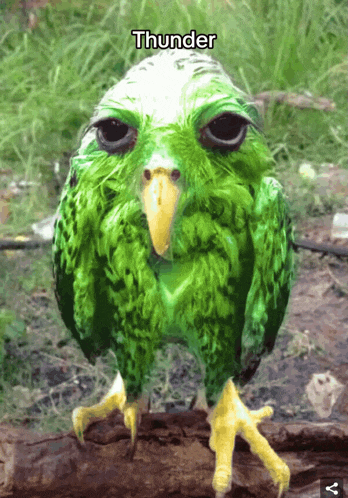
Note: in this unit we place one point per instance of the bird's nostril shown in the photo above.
(147, 174)
(175, 174)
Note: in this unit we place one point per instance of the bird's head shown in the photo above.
(174, 133)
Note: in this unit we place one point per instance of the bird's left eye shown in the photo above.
(114, 136)
(225, 132)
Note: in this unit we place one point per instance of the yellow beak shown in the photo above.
(160, 197)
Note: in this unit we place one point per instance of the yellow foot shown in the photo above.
(115, 398)
(230, 417)
(132, 417)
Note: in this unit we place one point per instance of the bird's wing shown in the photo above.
(79, 280)
(268, 296)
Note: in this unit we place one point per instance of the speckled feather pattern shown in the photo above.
(226, 287)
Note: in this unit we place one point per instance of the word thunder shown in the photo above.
(173, 41)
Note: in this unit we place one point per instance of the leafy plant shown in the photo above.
(10, 328)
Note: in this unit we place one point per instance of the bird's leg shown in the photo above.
(115, 398)
(199, 402)
(229, 417)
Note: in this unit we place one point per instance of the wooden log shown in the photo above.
(172, 459)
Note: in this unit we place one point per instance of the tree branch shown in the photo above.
(338, 251)
(172, 459)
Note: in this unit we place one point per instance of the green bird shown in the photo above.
(169, 227)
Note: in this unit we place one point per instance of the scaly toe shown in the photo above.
(222, 480)
(130, 413)
(130, 417)
(283, 478)
(80, 420)
(115, 398)
(258, 415)
(278, 470)
(231, 416)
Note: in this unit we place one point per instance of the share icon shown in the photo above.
(331, 488)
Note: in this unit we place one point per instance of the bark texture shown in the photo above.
(173, 459)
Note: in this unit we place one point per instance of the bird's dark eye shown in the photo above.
(225, 132)
(114, 136)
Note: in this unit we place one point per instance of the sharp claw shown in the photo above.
(284, 479)
(79, 435)
(131, 416)
(115, 398)
(79, 423)
(231, 416)
(131, 450)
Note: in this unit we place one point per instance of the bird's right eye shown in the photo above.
(114, 136)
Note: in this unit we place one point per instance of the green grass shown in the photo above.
(52, 76)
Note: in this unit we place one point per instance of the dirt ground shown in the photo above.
(312, 340)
